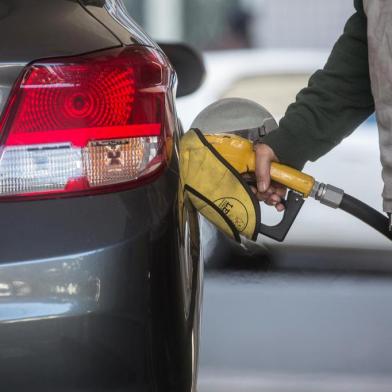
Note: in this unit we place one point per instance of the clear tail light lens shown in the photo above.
(85, 124)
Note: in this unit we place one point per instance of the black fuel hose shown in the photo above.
(366, 214)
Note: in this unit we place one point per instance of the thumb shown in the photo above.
(263, 168)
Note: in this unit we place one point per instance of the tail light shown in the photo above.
(85, 124)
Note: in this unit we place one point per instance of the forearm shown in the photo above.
(337, 99)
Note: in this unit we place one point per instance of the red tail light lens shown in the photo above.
(85, 123)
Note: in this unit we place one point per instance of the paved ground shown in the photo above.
(296, 333)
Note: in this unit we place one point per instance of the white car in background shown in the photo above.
(273, 78)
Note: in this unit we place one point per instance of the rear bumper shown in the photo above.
(75, 323)
(87, 292)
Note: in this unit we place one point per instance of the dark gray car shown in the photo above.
(99, 283)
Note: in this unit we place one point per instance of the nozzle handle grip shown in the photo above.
(288, 176)
(292, 178)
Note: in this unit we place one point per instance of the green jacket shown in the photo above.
(337, 99)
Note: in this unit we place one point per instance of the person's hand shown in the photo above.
(271, 193)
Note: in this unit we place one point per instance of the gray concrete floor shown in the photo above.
(291, 332)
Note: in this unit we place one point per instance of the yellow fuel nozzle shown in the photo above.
(239, 152)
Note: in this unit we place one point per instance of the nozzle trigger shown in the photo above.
(279, 232)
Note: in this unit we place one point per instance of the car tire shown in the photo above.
(191, 271)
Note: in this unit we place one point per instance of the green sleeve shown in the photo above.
(337, 100)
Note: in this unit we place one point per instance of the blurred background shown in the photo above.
(230, 24)
(240, 31)
(315, 313)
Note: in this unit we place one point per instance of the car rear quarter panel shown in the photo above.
(88, 296)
